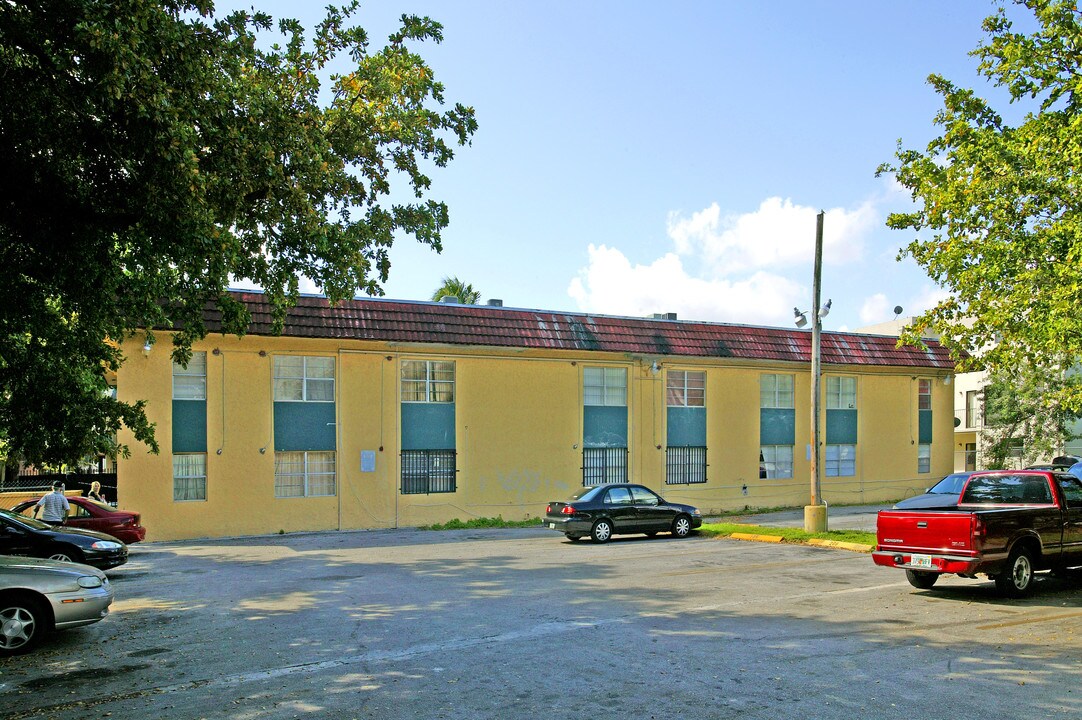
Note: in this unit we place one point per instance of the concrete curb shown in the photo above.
(838, 544)
(757, 538)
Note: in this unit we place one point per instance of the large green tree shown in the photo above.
(154, 151)
(999, 217)
(453, 287)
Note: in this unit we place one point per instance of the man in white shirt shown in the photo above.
(54, 506)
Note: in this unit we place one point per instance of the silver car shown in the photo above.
(39, 596)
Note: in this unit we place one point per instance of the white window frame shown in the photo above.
(312, 479)
(189, 486)
(924, 399)
(841, 391)
(435, 386)
(771, 396)
(604, 386)
(924, 458)
(841, 461)
(682, 388)
(190, 383)
(308, 379)
(775, 467)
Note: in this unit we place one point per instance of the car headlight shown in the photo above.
(695, 512)
(106, 545)
(89, 581)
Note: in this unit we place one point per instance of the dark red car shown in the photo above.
(92, 515)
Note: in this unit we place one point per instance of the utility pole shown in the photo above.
(815, 514)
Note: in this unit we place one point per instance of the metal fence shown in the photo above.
(428, 471)
(72, 481)
(685, 465)
(604, 465)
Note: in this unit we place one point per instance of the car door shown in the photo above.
(621, 510)
(651, 511)
(16, 539)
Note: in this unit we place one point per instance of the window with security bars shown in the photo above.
(428, 471)
(190, 382)
(685, 388)
(304, 474)
(776, 391)
(604, 465)
(604, 386)
(428, 381)
(298, 378)
(189, 477)
(685, 465)
(775, 462)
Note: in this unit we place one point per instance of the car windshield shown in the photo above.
(24, 520)
(950, 485)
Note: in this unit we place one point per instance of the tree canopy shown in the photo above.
(999, 216)
(454, 287)
(155, 152)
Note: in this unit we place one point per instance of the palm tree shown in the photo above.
(456, 288)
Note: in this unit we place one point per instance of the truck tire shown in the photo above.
(1017, 579)
(921, 580)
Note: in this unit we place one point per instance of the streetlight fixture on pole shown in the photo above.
(815, 513)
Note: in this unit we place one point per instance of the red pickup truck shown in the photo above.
(1007, 525)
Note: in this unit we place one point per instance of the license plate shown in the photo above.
(921, 561)
(552, 526)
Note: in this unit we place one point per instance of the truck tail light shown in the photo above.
(979, 529)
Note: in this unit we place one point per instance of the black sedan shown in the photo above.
(608, 510)
(943, 494)
(25, 536)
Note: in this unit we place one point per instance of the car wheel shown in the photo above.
(601, 531)
(681, 526)
(922, 580)
(65, 554)
(1017, 580)
(22, 623)
(572, 536)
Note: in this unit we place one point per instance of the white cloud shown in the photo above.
(778, 234)
(610, 284)
(929, 297)
(876, 309)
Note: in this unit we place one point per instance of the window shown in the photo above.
(605, 386)
(924, 394)
(685, 389)
(685, 465)
(190, 383)
(775, 461)
(618, 496)
(304, 474)
(428, 381)
(603, 465)
(841, 393)
(776, 391)
(841, 461)
(428, 471)
(973, 408)
(924, 458)
(189, 477)
(303, 379)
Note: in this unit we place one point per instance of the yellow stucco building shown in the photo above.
(381, 414)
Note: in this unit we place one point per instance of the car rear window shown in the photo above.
(1010, 489)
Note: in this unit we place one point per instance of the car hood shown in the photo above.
(92, 534)
(928, 500)
(13, 565)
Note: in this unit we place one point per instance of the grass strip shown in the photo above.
(481, 522)
(789, 535)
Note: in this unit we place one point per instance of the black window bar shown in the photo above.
(428, 471)
(685, 465)
(604, 465)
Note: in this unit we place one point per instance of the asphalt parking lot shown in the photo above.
(521, 623)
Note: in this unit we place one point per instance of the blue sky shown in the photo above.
(642, 157)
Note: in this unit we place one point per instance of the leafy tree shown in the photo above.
(1025, 415)
(154, 151)
(1000, 205)
(454, 287)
